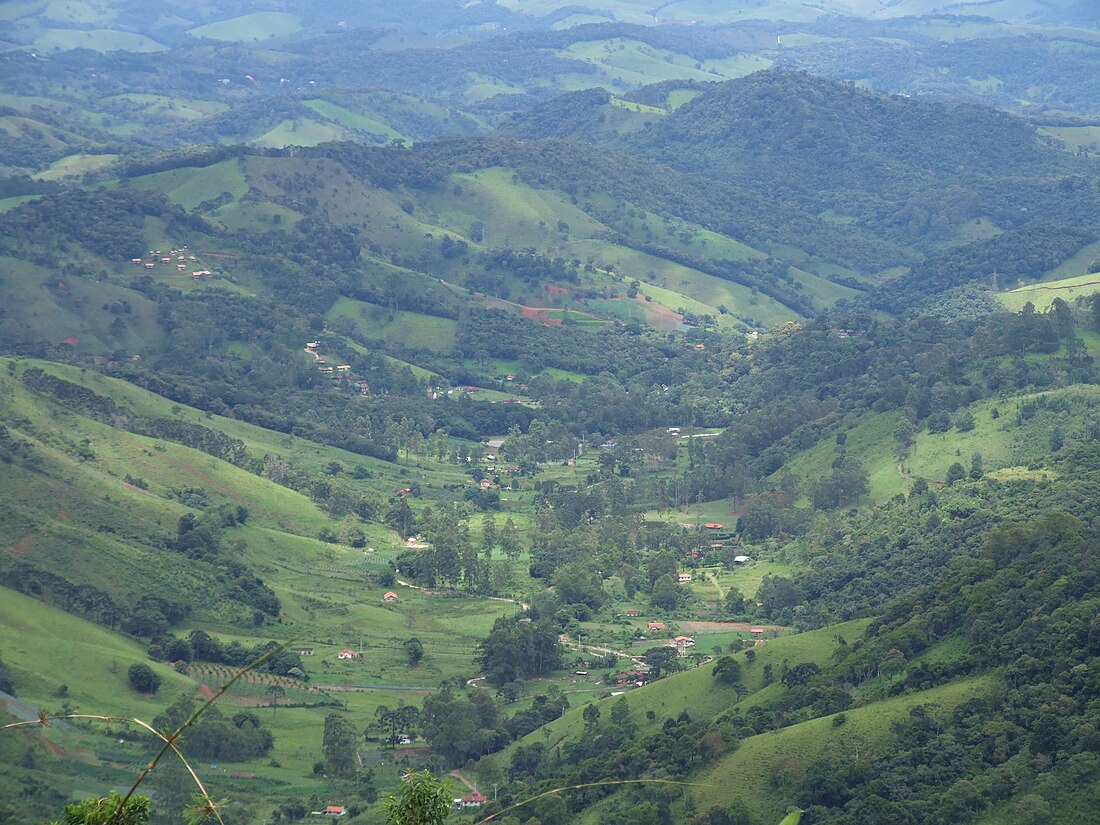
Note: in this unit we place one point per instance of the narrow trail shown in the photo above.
(565, 640)
(412, 586)
(906, 475)
(458, 775)
(714, 580)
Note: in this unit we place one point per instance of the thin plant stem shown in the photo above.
(592, 785)
(170, 739)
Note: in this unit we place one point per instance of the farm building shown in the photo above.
(684, 578)
(347, 654)
(633, 613)
(652, 626)
(714, 525)
(303, 651)
(390, 597)
(334, 810)
(471, 800)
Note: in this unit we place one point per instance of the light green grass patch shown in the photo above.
(976, 229)
(872, 443)
(257, 26)
(1041, 295)
(75, 165)
(631, 106)
(300, 132)
(678, 97)
(752, 764)
(1074, 138)
(1076, 264)
(190, 186)
(351, 120)
(251, 214)
(396, 326)
(177, 108)
(99, 40)
(1001, 442)
(1022, 474)
(7, 204)
(628, 63)
(47, 647)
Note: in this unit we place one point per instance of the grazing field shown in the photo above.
(751, 765)
(697, 688)
(48, 648)
(1042, 294)
(300, 132)
(72, 165)
(351, 120)
(191, 186)
(100, 40)
(257, 26)
(408, 328)
(1076, 138)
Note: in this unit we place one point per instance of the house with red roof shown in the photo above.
(471, 800)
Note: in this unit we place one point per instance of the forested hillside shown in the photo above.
(677, 415)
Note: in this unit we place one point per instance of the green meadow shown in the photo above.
(256, 26)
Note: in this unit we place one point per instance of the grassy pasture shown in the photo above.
(190, 186)
(747, 772)
(100, 40)
(152, 105)
(386, 476)
(510, 211)
(696, 689)
(75, 165)
(1001, 442)
(397, 326)
(1042, 294)
(7, 204)
(872, 443)
(300, 132)
(47, 647)
(256, 26)
(351, 120)
(58, 309)
(628, 63)
(1076, 137)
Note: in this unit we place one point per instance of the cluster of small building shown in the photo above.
(340, 372)
(180, 257)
